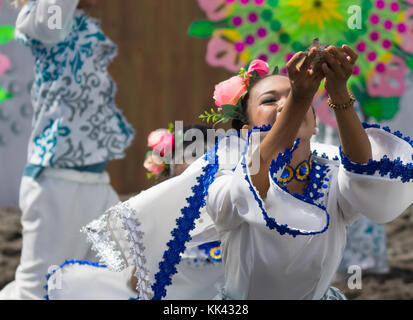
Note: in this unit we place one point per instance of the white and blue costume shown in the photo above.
(286, 246)
(76, 130)
(199, 277)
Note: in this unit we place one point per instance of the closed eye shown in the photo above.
(269, 100)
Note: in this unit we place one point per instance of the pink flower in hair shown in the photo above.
(259, 65)
(161, 141)
(154, 164)
(229, 91)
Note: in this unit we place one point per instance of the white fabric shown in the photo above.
(54, 208)
(262, 264)
(33, 21)
(195, 280)
(85, 282)
(259, 263)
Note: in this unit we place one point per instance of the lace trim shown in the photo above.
(101, 236)
(118, 254)
(137, 249)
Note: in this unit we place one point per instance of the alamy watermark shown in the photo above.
(229, 150)
(55, 21)
(355, 280)
(355, 20)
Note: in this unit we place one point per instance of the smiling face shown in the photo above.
(266, 101)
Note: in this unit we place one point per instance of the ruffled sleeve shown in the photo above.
(382, 189)
(33, 20)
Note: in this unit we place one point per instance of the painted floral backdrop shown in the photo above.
(16, 65)
(380, 31)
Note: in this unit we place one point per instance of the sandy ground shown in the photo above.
(397, 284)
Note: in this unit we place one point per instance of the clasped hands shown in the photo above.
(335, 67)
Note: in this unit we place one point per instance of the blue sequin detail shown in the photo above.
(310, 194)
(186, 223)
(395, 168)
(70, 262)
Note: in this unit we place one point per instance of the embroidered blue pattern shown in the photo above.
(70, 262)
(395, 168)
(278, 164)
(172, 256)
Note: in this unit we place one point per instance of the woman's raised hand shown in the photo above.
(338, 68)
(304, 81)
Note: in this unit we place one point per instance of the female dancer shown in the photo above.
(279, 209)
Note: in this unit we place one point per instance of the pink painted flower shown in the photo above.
(229, 91)
(5, 64)
(154, 164)
(221, 53)
(259, 65)
(378, 84)
(161, 141)
(215, 9)
(407, 36)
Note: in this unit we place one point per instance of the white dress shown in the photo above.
(284, 247)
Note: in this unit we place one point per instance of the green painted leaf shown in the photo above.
(4, 95)
(381, 108)
(6, 33)
(390, 107)
(201, 29)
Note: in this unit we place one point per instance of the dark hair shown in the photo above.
(201, 127)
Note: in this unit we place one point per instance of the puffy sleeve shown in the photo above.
(382, 189)
(39, 20)
(221, 204)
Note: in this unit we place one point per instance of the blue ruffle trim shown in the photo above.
(278, 164)
(70, 262)
(394, 168)
(186, 223)
(324, 156)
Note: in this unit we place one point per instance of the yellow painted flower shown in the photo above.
(317, 12)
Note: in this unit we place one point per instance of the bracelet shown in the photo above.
(342, 106)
